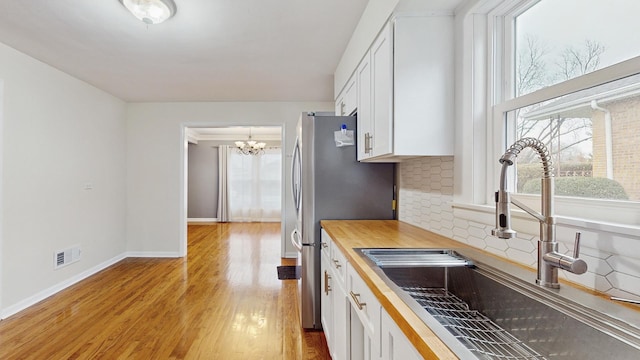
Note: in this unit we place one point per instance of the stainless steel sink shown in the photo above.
(492, 312)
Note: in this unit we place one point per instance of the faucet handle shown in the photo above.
(578, 266)
(572, 264)
(576, 246)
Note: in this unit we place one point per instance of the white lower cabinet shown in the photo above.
(340, 323)
(334, 303)
(326, 299)
(365, 318)
(395, 345)
(355, 324)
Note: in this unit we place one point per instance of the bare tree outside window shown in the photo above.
(579, 61)
(560, 134)
(564, 125)
(531, 69)
(591, 133)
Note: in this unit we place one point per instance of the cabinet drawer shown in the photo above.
(339, 265)
(364, 302)
(325, 243)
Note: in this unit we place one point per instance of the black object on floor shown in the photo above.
(288, 272)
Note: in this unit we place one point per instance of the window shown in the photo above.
(571, 79)
(255, 186)
(558, 40)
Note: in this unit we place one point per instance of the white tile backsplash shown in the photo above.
(425, 197)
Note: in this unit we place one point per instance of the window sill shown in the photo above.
(486, 214)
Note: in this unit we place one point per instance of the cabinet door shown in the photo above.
(365, 128)
(364, 346)
(395, 345)
(347, 101)
(340, 105)
(341, 323)
(423, 86)
(366, 312)
(351, 96)
(326, 300)
(382, 91)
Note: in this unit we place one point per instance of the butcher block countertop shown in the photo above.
(350, 234)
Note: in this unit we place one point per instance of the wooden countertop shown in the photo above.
(350, 234)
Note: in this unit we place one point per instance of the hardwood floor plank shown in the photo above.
(223, 301)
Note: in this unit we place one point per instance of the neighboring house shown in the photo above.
(614, 110)
(625, 129)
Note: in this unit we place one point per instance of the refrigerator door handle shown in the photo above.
(295, 240)
(296, 177)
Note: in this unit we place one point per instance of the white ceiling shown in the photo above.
(211, 50)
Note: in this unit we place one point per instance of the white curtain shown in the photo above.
(223, 191)
(254, 186)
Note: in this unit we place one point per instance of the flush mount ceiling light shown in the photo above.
(151, 11)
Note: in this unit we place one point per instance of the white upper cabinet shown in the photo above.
(382, 92)
(423, 92)
(405, 91)
(365, 120)
(347, 101)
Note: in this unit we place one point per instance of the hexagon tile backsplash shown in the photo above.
(425, 197)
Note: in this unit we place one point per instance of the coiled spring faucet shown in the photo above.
(549, 259)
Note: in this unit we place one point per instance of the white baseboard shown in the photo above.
(32, 300)
(202, 220)
(152, 254)
(291, 255)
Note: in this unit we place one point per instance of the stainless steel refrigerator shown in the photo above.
(329, 183)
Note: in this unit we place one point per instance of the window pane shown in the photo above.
(557, 40)
(593, 138)
(255, 186)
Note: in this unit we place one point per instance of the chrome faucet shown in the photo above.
(549, 259)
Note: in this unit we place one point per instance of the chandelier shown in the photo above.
(250, 147)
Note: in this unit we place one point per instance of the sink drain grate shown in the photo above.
(476, 331)
(396, 258)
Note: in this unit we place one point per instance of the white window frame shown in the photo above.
(500, 63)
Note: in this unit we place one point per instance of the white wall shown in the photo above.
(155, 161)
(58, 134)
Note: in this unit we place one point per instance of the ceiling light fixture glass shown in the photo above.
(250, 147)
(151, 11)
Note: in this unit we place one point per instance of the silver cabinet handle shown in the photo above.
(355, 296)
(296, 176)
(337, 264)
(367, 143)
(324, 245)
(327, 277)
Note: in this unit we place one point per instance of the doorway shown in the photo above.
(220, 184)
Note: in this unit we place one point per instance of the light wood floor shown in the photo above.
(223, 301)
